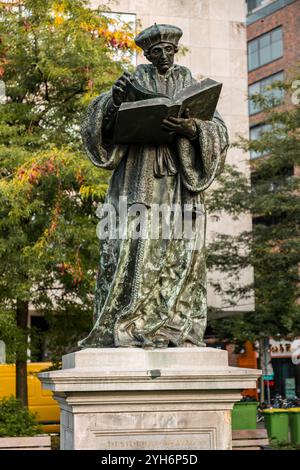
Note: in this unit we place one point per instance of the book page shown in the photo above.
(136, 92)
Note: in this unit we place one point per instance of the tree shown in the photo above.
(55, 56)
(273, 246)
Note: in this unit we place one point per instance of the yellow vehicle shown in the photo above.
(40, 401)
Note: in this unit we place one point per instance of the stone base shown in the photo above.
(176, 398)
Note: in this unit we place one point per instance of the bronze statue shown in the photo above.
(151, 292)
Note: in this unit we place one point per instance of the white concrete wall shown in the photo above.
(215, 35)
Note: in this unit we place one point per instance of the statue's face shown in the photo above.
(162, 56)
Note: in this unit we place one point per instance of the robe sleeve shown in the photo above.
(203, 159)
(99, 147)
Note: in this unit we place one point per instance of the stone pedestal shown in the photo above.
(176, 398)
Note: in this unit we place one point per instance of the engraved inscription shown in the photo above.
(157, 441)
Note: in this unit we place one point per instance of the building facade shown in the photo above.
(273, 35)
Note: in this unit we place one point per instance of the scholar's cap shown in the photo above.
(158, 33)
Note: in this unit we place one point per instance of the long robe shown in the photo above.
(152, 292)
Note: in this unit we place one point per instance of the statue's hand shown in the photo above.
(184, 126)
(119, 89)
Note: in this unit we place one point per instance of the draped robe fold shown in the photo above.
(152, 292)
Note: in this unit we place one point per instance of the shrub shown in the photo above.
(16, 419)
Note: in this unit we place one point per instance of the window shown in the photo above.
(261, 88)
(278, 181)
(252, 4)
(255, 133)
(265, 49)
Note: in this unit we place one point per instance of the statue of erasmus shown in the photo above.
(151, 291)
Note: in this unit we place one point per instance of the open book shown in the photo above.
(139, 120)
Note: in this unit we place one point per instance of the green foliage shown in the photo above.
(272, 248)
(53, 60)
(279, 445)
(53, 64)
(16, 420)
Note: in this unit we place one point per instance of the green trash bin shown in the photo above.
(294, 417)
(244, 415)
(277, 423)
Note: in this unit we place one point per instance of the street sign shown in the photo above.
(268, 377)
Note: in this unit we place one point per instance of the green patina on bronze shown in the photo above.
(152, 292)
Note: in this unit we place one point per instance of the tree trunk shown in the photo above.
(21, 356)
